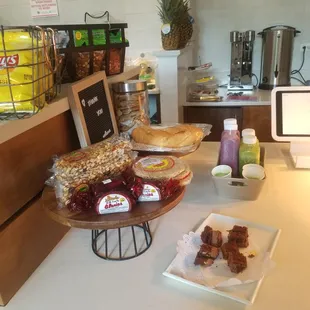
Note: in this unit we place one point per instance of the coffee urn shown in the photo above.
(277, 52)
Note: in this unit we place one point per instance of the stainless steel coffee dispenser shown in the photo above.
(277, 52)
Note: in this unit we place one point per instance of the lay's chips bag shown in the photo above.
(25, 69)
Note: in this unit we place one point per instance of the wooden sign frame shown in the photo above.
(76, 106)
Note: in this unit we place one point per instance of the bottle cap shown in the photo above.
(230, 121)
(230, 127)
(248, 132)
(249, 139)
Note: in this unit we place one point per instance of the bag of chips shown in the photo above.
(24, 66)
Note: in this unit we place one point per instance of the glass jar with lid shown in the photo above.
(131, 104)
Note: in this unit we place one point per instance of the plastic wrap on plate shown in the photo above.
(96, 163)
(206, 130)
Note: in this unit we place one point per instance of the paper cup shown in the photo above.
(222, 171)
(253, 172)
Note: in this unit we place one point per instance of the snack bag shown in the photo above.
(98, 162)
(31, 79)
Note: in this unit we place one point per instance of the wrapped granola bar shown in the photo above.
(90, 165)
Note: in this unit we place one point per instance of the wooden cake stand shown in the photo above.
(103, 225)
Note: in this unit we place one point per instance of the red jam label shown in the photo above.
(150, 193)
(152, 164)
(75, 156)
(114, 203)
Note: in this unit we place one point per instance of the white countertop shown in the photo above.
(262, 98)
(72, 277)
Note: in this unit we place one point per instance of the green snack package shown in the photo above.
(80, 38)
(116, 36)
(99, 37)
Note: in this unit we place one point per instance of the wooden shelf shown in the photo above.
(11, 129)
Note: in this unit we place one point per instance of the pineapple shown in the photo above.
(186, 26)
(176, 14)
(186, 29)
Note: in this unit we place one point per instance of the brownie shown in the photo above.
(236, 262)
(212, 237)
(241, 229)
(203, 261)
(205, 234)
(229, 247)
(239, 238)
(209, 251)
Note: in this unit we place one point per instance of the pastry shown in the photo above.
(240, 239)
(212, 237)
(209, 251)
(159, 167)
(170, 137)
(239, 235)
(236, 262)
(229, 248)
(185, 177)
(241, 229)
(203, 261)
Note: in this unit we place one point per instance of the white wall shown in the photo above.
(216, 18)
(141, 16)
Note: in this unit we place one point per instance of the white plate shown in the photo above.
(265, 237)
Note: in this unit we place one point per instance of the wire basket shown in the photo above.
(85, 49)
(28, 70)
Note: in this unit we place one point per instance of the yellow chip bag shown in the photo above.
(24, 67)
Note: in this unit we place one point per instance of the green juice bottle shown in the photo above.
(249, 151)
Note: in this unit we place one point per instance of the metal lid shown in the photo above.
(249, 36)
(130, 86)
(234, 36)
(279, 27)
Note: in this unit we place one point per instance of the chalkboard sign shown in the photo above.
(92, 109)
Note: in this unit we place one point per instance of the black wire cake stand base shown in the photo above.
(101, 245)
